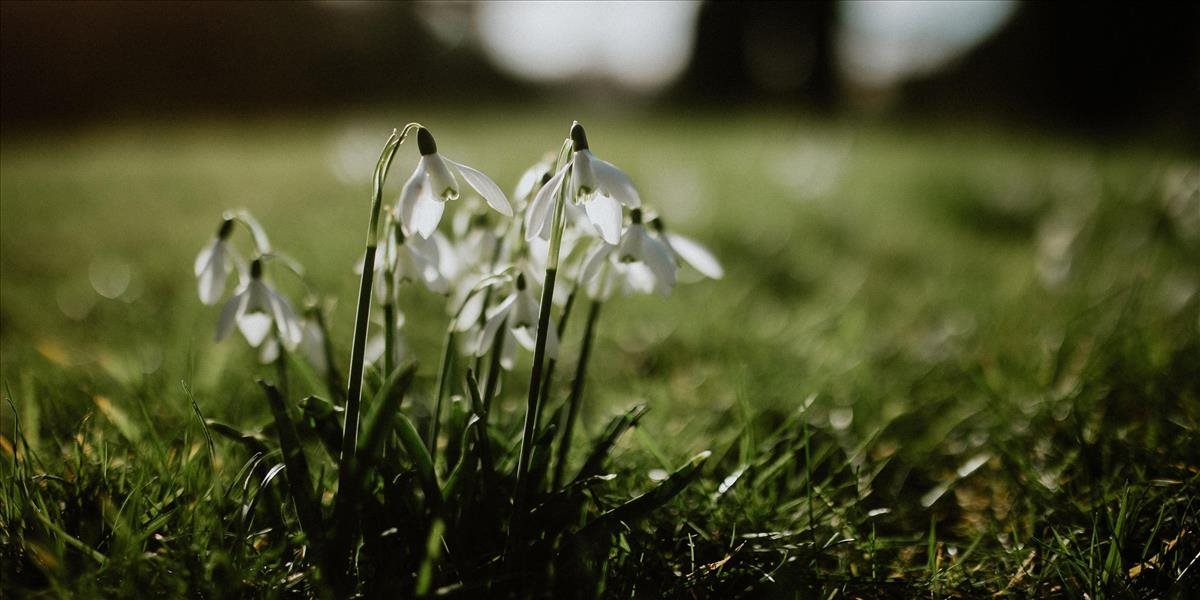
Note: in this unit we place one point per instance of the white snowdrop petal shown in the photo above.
(441, 180)
(449, 263)
(426, 214)
(508, 352)
(212, 282)
(524, 336)
(658, 259)
(696, 255)
(254, 327)
(538, 213)
(605, 214)
(228, 315)
(269, 351)
(413, 188)
(583, 177)
(205, 253)
(286, 320)
(495, 319)
(469, 315)
(616, 183)
(492, 194)
(373, 351)
(595, 260)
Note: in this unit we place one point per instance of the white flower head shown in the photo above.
(686, 251)
(257, 308)
(423, 197)
(214, 264)
(516, 320)
(595, 185)
(639, 263)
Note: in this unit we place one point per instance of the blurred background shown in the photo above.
(1110, 69)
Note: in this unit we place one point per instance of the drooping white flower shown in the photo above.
(414, 259)
(595, 185)
(687, 251)
(214, 264)
(257, 309)
(516, 320)
(639, 263)
(312, 345)
(533, 178)
(433, 183)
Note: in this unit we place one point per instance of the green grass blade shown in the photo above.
(299, 485)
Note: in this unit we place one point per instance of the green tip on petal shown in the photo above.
(256, 269)
(578, 137)
(657, 224)
(425, 142)
(636, 216)
(225, 229)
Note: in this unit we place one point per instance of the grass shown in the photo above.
(943, 362)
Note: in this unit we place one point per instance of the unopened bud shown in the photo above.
(425, 142)
(578, 137)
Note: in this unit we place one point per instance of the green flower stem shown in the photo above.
(281, 367)
(533, 407)
(389, 338)
(552, 363)
(442, 382)
(585, 352)
(343, 509)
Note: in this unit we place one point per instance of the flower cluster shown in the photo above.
(579, 221)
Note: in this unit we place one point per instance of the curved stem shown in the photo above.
(346, 499)
(533, 407)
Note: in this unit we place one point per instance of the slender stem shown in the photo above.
(389, 338)
(533, 408)
(281, 367)
(346, 498)
(442, 381)
(564, 445)
(552, 363)
(489, 390)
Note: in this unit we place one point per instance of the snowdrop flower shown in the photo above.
(413, 259)
(533, 178)
(214, 264)
(312, 346)
(645, 263)
(688, 251)
(255, 308)
(516, 319)
(433, 183)
(596, 185)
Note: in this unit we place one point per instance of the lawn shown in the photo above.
(943, 361)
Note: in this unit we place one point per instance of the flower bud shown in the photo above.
(578, 137)
(425, 142)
